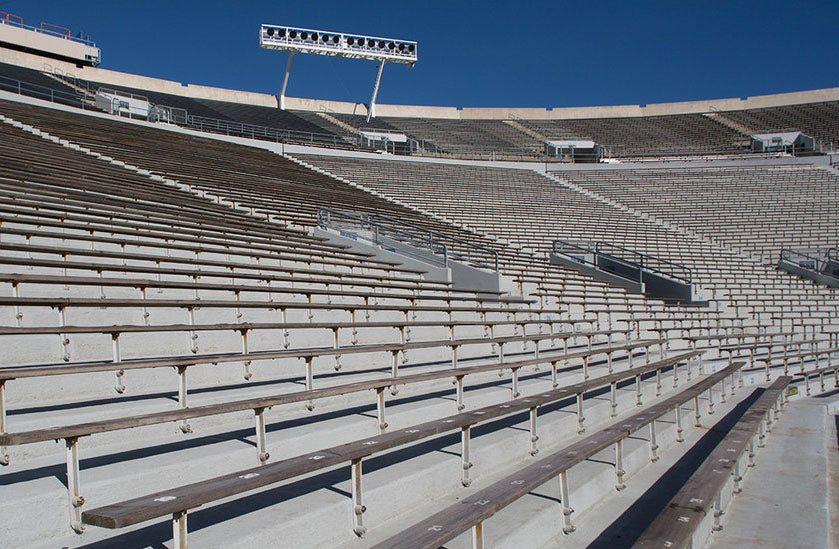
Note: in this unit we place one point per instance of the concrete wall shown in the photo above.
(46, 42)
(415, 111)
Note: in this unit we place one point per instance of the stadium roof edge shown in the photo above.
(194, 91)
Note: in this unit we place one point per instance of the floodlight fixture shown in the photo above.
(355, 46)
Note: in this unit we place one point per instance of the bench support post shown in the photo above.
(585, 367)
(619, 472)
(182, 424)
(567, 527)
(718, 512)
(515, 392)
(464, 456)
(459, 383)
(247, 364)
(710, 400)
(737, 478)
(638, 391)
(261, 451)
(580, 417)
(722, 390)
(4, 450)
(533, 436)
(454, 356)
(394, 371)
(120, 386)
(73, 485)
(358, 508)
(696, 418)
(613, 399)
(179, 530)
(653, 443)
(554, 383)
(478, 536)
(380, 409)
(679, 430)
(310, 381)
(658, 382)
(675, 375)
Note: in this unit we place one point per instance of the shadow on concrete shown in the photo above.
(627, 528)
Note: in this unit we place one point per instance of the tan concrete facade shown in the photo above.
(415, 111)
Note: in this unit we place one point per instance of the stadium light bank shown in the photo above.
(337, 44)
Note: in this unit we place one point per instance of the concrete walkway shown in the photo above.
(784, 502)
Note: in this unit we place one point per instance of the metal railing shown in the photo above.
(265, 133)
(43, 92)
(814, 260)
(383, 230)
(45, 28)
(581, 250)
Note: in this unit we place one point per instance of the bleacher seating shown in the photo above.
(172, 319)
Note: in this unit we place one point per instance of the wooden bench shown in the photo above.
(178, 501)
(473, 510)
(676, 524)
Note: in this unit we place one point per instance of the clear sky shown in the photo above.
(481, 53)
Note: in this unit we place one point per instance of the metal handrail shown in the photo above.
(425, 238)
(819, 261)
(642, 263)
(16, 21)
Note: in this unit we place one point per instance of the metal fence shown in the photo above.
(383, 230)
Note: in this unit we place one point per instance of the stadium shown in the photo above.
(240, 319)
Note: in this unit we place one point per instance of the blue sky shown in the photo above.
(487, 53)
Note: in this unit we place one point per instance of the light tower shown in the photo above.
(337, 44)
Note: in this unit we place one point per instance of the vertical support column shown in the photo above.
(580, 418)
(65, 341)
(4, 450)
(286, 333)
(585, 367)
(285, 80)
(380, 409)
(613, 398)
(478, 536)
(120, 386)
(696, 417)
(653, 443)
(357, 506)
(179, 530)
(737, 478)
(679, 430)
(710, 400)
(310, 381)
(619, 472)
(658, 382)
(247, 364)
(182, 393)
(515, 392)
(193, 335)
(261, 450)
(718, 513)
(73, 485)
(371, 112)
(554, 383)
(567, 527)
(638, 390)
(459, 384)
(533, 436)
(454, 356)
(464, 456)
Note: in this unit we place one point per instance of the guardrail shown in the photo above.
(814, 260)
(45, 28)
(383, 229)
(635, 260)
